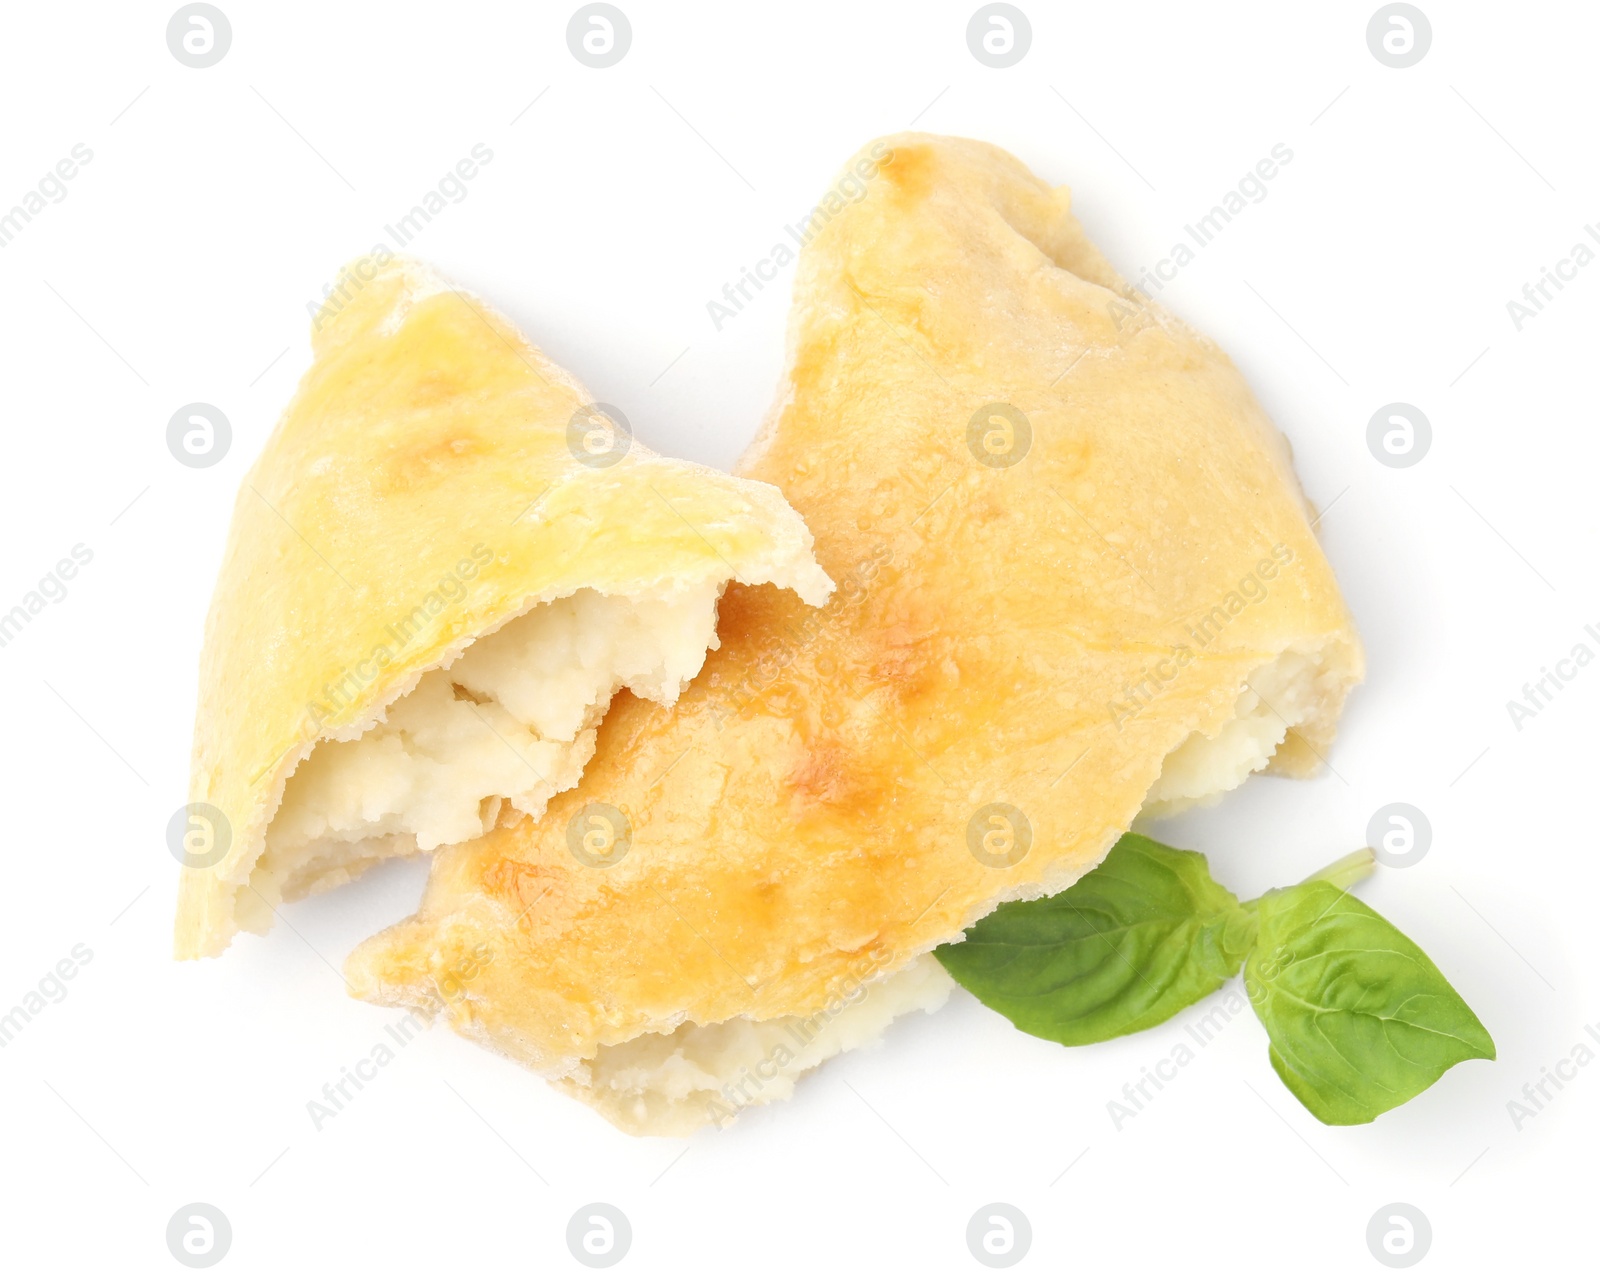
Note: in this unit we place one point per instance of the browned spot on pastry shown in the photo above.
(519, 884)
(825, 774)
(909, 170)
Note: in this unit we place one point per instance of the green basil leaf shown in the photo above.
(1129, 945)
(1359, 1018)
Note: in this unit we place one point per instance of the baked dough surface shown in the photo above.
(424, 489)
(1037, 637)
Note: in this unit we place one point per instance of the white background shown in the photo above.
(178, 269)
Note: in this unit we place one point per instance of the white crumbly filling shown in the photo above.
(1201, 770)
(671, 1084)
(698, 1075)
(511, 721)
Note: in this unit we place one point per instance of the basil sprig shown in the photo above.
(1127, 946)
(1359, 1019)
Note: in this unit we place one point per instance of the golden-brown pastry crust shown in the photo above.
(418, 493)
(809, 802)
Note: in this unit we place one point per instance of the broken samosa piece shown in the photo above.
(1077, 580)
(444, 564)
